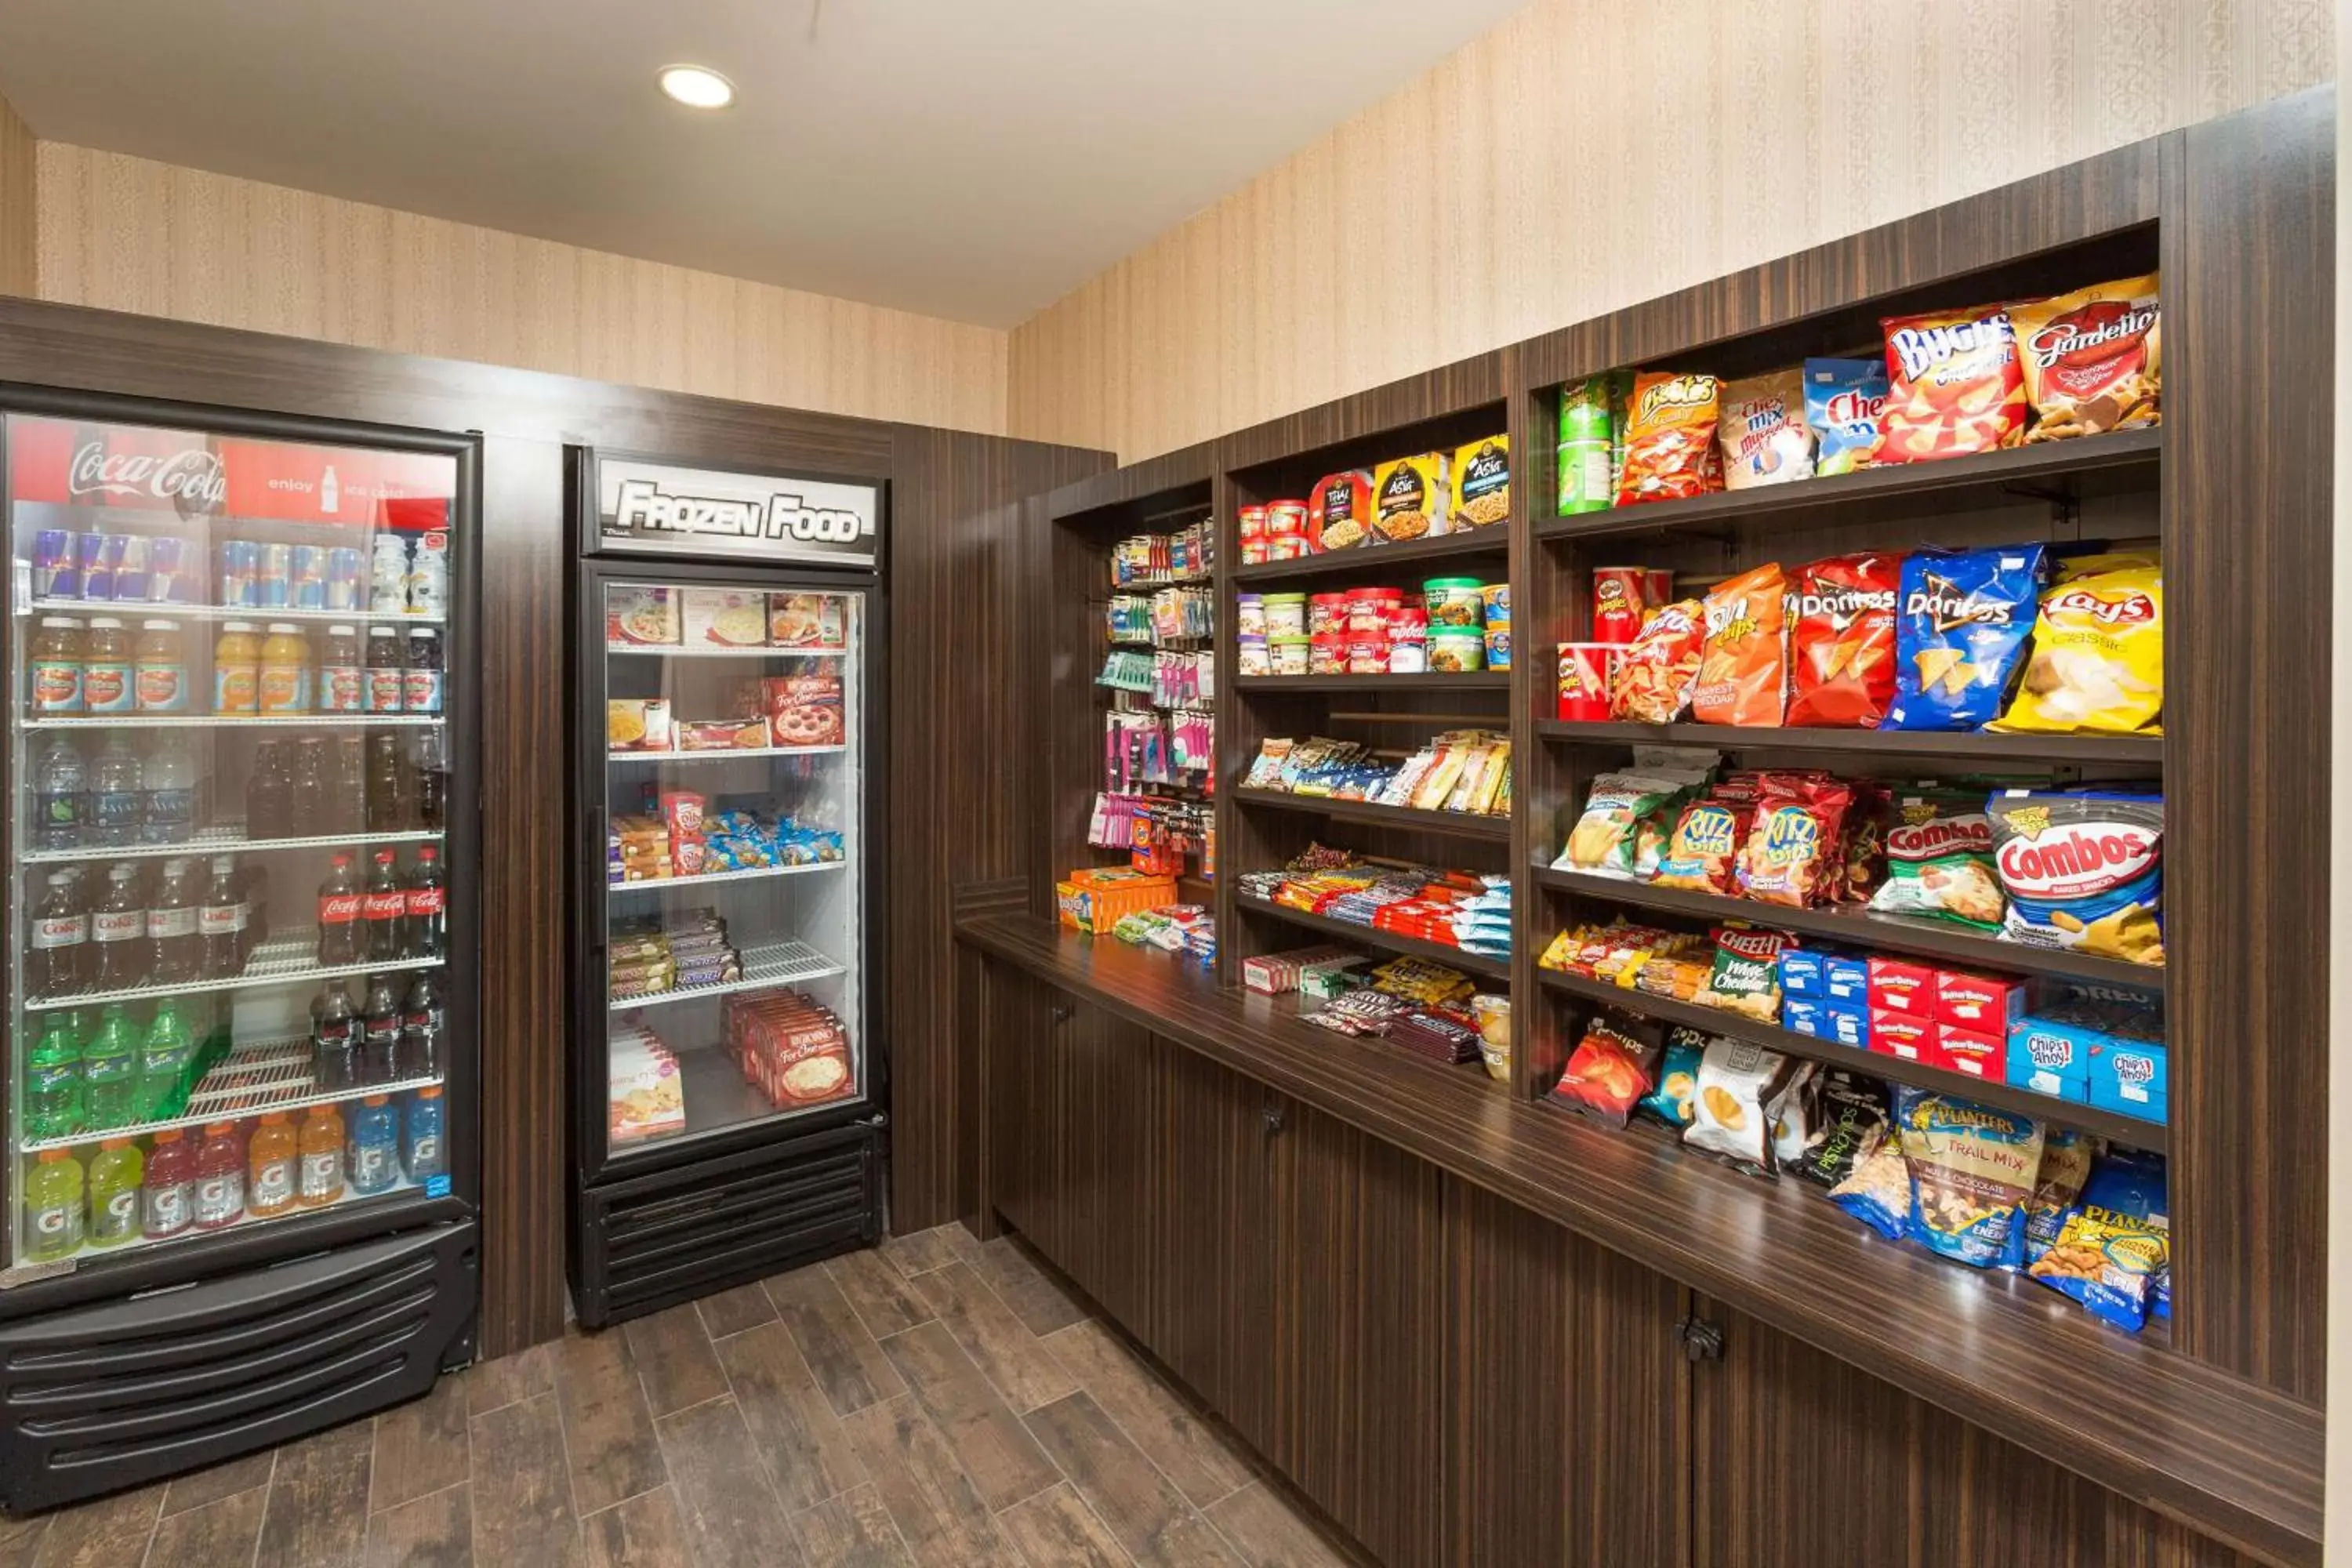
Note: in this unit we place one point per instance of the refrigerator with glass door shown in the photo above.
(727, 1067)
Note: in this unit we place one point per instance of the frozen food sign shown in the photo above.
(745, 517)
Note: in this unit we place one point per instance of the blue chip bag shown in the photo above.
(1670, 1099)
(1845, 401)
(1962, 622)
(1877, 1191)
(1973, 1168)
(2114, 1254)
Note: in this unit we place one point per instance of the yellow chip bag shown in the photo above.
(2098, 665)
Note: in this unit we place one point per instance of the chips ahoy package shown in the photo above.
(1962, 618)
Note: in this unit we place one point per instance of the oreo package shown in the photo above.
(1961, 622)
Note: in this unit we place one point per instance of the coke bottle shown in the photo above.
(420, 1029)
(312, 805)
(347, 786)
(269, 794)
(220, 921)
(339, 915)
(334, 1039)
(388, 801)
(429, 782)
(121, 953)
(427, 934)
(380, 1032)
(383, 911)
(56, 953)
(175, 946)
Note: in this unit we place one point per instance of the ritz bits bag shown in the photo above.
(1842, 641)
(1954, 385)
(1744, 668)
(2098, 651)
(2093, 359)
(1670, 439)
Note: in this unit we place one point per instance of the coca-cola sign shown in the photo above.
(190, 480)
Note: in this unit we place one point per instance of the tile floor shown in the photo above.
(936, 1403)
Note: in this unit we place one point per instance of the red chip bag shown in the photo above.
(1842, 647)
(1670, 439)
(1612, 1066)
(1954, 385)
(1794, 854)
(1652, 683)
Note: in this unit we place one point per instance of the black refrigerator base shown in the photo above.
(97, 1398)
(692, 1230)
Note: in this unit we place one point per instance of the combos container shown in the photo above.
(1455, 602)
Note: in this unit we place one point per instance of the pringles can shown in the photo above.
(1620, 597)
(1584, 672)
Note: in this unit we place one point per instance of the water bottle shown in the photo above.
(117, 794)
(59, 784)
(168, 784)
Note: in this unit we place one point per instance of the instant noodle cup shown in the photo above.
(1498, 647)
(1497, 597)
(1255, 551)
(1286, 615)
(1290, 547)
(1249, 615)
(1328, 654)
(1456, 651)
(1455, 602)
(1368, 610)
(1289, 649)
(1585, 670)
(1368, 655)
(1286, 520)
(1326, 613)
(1250, 524)
(1253, 656)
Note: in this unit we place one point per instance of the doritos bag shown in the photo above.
(2098, 652)
(1954, 385)
(1842, 645)
(1670, 439)
(1846, 404)
(1960, 634)
(1743, 671)
(1652, 683)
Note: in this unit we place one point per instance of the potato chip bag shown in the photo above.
(1842, 643)
(1612, 1066)
(1737, 1078)
(1606, 837)
(1744, 668)
(1763, 431)
(1954, 385)
(1670, 439)
(1677, 1078)
(1846, 405)
(2098, 652)
(1960, 637)
(2092, 359)
(1653, 681)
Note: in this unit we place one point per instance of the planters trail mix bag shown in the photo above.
(1961, 621)
(1972, 1169)
(1954, 386)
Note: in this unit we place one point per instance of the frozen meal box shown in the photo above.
(642, 616)
(808, 620)
(725, 617)
(638, 724)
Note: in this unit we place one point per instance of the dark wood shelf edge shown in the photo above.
(1963, 743)
(2222, 1456)
(1895, 932)
(1370, 936)
(1475, 681)
(1494, 540)
(1459, 823)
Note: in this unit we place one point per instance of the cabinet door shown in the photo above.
(1106, 1075)
(1017, 1037)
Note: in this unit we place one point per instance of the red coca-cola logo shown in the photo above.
(426, 900)
(338, 908)
(386, 906)
(191, 478)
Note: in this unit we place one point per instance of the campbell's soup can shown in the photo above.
(1620, 594)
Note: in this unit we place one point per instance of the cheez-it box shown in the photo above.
(1897, 986)
(1973, 1052)
(1903, 1035)
(1985, 1003)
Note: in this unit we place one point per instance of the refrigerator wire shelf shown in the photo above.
(285, 959)
(235, 721)
(723, 754)
(678, 650)
(749, 874)
(765, 965)
(179, 612)
(228, 838)
(257, 1076)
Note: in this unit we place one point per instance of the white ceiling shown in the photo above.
(975, 158)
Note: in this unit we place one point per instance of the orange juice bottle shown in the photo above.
(322, 1181)
(285, 669)
(269, 1157)
(236, 669)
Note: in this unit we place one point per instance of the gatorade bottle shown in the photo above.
(220, 1177)
(423, 1150)
(168, 1203)
(52, 1107)
(53, 1208)
(114, 1181)
(321, 1179)
(109, 1070)
(163, 1062)
(270, 1159)
(373, 1159)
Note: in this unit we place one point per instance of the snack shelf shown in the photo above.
(1458, 823)
(764, 965)
(256, 1076)
(1371, 936)
(1373, 558)
(1183, 580)
(1471, 680)
(289, 958)
(1978, 744)
(674, 650)
(2049, 470)
(725, 752)
(240, 721)
(146, 610)
(1898, 933)
(228, 838)
(749, 874)
(2153, 1136)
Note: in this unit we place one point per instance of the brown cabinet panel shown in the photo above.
(1016, 1041)
(1104, 1070)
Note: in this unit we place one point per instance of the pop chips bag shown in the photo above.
(1954, 385)
(1743, 673)
(2093, 359)
(1846, 404)
(1843, 641)
(1670, 439)
(2098, 652)
(1652, 683)
(1959, 635)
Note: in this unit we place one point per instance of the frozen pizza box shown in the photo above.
(725, 617)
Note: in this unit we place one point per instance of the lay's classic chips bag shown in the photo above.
(2098, 651)
(1961, 618)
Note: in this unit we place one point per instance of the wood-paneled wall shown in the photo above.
(17, 209)
(1581, 158)
(128, 234)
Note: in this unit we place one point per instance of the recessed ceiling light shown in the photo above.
(698, 86)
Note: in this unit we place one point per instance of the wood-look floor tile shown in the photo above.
(852, 1531)
(102, 1534)
(1187, 1450)
(672, 1355)
(1269, 1534)
(1036, 1299)
(20, 1539)
(732, 1311)
(646, 1531)
(1002, 1459)
(849, 1365)
(925, 1250)
(794, 1425)
(216, 1482)
(938, 1514)
(1143, 1511)
(607, 1430)
(316, 1516)
(421, 1447)
(732, 1518)
(877, 1293)
(436, 1530)
(1012, 1357)
(222, 1531)
(1055, 1528)
(495, 1385)
(521, 1498)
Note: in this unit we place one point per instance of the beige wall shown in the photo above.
(1585, 156)
(129, 235)
(17, 210)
